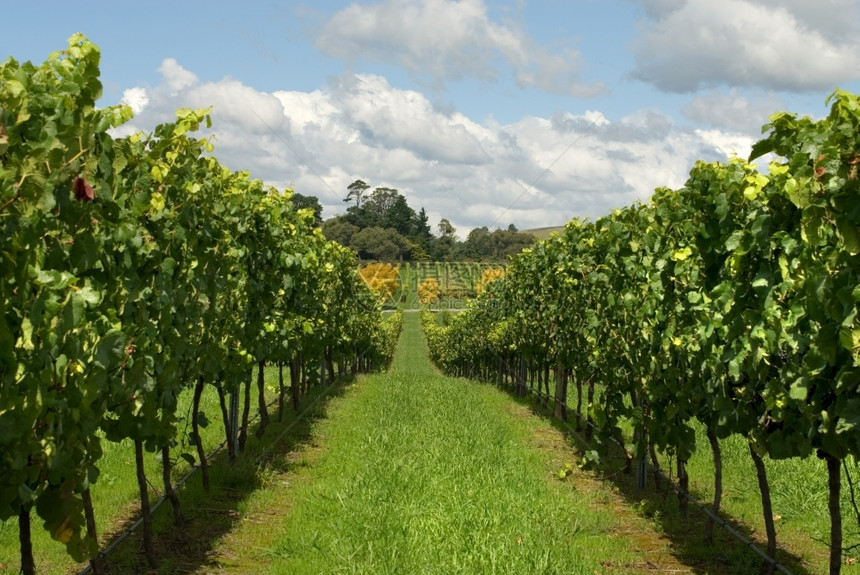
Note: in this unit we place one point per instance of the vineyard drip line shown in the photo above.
(128, 531)
(716, 518)
(851, 489)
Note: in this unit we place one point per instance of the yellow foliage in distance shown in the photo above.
(489, 275)
(428, 291)
(383, 279)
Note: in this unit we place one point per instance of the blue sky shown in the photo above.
(483, 112)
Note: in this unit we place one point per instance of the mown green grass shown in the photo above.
(115, 494)
(427, 474)
(235, 486)
(799, 495)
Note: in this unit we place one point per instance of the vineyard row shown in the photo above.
(133, 269)
(732, 301)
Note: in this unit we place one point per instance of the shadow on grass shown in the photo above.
(209, 517)
(685, 534)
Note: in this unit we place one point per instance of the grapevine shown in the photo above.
(136, 269)
(732, 301)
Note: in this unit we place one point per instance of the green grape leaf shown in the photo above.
(110, 349)
(799, 389)
(850, 237)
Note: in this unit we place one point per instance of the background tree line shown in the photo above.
(380, 225)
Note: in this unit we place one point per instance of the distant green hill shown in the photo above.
(543, 233)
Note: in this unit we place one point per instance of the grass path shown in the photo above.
(413, 472)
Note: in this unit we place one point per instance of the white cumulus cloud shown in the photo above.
(535, 172)
(733, 110)
(175, 76)
(792, 46)
(135, 98)
(447, 40)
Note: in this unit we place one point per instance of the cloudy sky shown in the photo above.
(484, 112)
